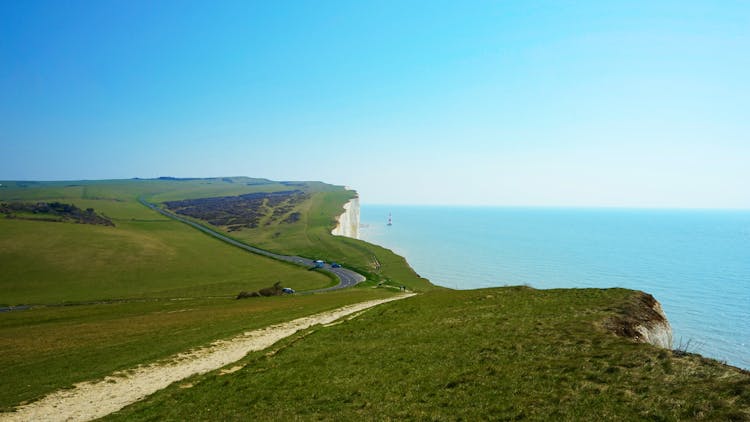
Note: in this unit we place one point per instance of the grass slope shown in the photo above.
(145, 260)
(145, 255)
(500, 354)
(49, 348)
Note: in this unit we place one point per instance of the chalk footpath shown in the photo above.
(94, 399)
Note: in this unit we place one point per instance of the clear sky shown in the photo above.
(564, 103)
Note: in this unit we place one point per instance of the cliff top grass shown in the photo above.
(48, 348)
(143, 289)
(500, 354)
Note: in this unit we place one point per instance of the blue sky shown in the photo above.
(640, 104)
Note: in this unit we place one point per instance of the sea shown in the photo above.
(696, 263)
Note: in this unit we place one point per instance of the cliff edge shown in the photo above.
(643, 320)
(348, 222)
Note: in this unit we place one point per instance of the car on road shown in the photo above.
(335, 265)
(288, 290)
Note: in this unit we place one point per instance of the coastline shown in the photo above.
(545, 249)
(347, 224)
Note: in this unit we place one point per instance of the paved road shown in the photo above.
(347, 278)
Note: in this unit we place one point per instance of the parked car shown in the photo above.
(288, 290)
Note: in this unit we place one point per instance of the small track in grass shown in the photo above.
(95, 399)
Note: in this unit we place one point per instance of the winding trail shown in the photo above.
(347, 278)
(95, 399)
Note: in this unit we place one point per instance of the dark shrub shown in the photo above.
(276, 290)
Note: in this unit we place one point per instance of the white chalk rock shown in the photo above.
(348, 222)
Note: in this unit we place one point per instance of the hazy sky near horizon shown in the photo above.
(555, 103)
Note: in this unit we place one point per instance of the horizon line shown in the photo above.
(558, 206)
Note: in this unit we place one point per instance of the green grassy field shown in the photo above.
(138, 269)
(49, 348)
(308, 237)
(499, 354)
(145, 255)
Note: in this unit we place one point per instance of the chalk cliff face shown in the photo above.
(348, 222)
(644, 321)
(656, 331)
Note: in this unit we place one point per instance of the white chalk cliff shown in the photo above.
(643, 320)
(656, 331)
(348, 222)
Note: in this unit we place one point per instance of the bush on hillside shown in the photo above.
(275, 290)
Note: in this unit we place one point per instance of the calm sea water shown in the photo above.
(696, 263)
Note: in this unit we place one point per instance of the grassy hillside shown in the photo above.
(58, 262)
(161, 286)
(144, 255)
(48, 348)
(309, 236)
(501, 354)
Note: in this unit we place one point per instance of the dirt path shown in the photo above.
(94, 399)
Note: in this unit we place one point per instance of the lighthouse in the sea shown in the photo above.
(390, 220)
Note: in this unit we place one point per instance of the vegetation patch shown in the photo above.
(275, 290)
(53, 211)
(242, 211)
